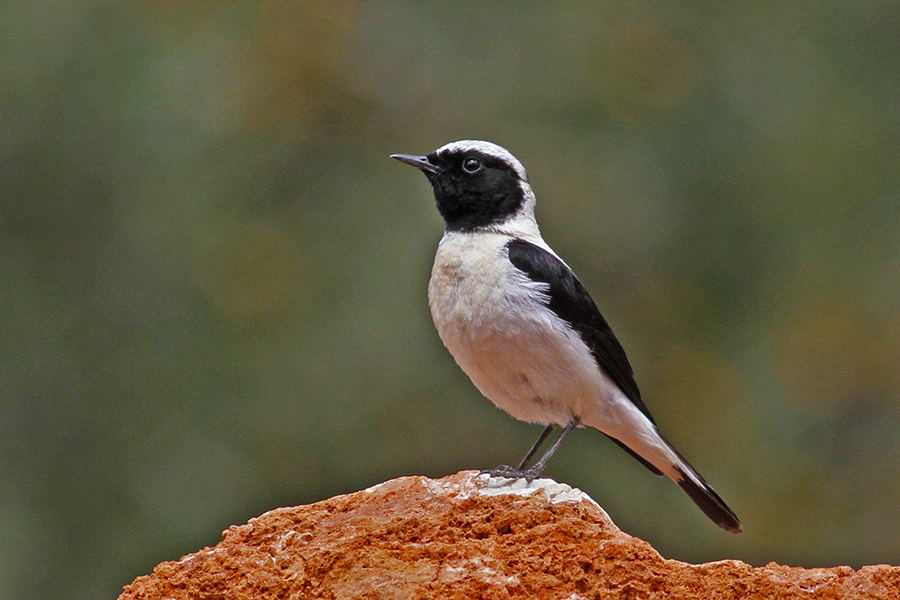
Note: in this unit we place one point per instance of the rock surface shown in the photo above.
(469, 536)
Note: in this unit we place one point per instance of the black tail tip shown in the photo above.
(711, 504)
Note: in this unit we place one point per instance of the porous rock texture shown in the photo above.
(471, 536)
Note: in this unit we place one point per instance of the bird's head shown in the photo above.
(476, 184)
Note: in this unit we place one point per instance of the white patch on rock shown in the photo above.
(480, 568)
(554, 491)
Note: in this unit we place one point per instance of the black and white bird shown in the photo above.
(523, 327)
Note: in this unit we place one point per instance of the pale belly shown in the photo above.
(493, 321)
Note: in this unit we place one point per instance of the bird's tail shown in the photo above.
(663, 459)
(636, 432)
(703, 495)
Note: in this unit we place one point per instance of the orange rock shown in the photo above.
(468, 536)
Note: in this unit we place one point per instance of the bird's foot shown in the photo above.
(508, 472)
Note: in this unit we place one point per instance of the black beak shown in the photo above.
(420, 162)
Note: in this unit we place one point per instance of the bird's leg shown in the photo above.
(534, 472)
(518, 472)
(534, 448)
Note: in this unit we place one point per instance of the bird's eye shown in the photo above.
(471, 165)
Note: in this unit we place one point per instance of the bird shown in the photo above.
(522, 326)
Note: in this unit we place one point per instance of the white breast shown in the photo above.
(493, 320)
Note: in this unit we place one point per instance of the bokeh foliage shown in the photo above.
(212, 278)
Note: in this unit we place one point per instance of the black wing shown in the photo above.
(571, 302)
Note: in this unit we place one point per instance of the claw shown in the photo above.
(508, 472)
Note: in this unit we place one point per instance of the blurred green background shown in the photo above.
(212, 277)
